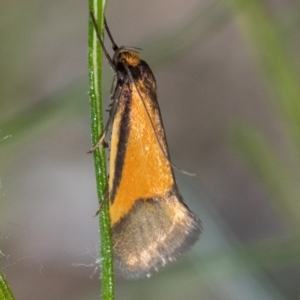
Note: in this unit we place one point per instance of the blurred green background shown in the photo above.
(228, 88)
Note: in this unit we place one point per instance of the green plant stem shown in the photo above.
(95, 70)
(5, 291)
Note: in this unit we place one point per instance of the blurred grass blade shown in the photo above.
(39, 118)
(270, 170)
(269, 46)
(5, 291)
(265, 38)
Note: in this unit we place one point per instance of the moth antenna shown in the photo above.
(114, 45)
(110, 61)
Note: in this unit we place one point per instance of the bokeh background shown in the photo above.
(228, 87)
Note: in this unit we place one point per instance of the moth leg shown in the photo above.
(102, 137)
(103, 198)
(112, 114)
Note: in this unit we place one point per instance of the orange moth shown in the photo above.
(151, 225)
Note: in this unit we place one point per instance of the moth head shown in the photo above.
(127, 55)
